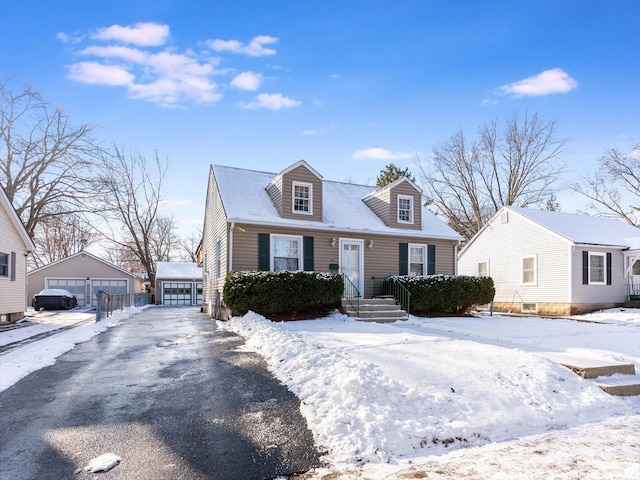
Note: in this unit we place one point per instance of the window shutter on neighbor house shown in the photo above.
(585, 268)
(404, 259)
(431, 259)
(609, 268)
(13, 266)
(264, 246)
(307, 248)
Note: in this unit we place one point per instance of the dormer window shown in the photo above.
(302, 198)
(405, 209)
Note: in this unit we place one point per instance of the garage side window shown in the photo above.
(4, 264)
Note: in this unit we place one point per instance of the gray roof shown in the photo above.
(246, 200)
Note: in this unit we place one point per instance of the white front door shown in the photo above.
(352, 261)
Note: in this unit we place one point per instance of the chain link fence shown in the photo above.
(107, 303)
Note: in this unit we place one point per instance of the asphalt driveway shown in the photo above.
(166, 392)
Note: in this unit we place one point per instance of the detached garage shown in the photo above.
(178, 283)
(84, 274)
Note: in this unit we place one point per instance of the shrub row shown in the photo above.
(273, 293)
(447, 293)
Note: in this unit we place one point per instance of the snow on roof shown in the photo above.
(585, 229)
(245, 199)
(178, 270)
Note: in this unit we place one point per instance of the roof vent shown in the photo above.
(504, 217)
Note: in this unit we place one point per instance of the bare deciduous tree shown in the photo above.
(45, 162)
(130, 187)
(189, 246)
(468, 182)
(614, 190)
(58, 237)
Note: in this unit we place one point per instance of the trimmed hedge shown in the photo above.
(275, 293)
(447, 293)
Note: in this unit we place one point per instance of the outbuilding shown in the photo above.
(178, 283)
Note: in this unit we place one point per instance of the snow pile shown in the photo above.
(19, 363)
(103, 463)
(394, 392)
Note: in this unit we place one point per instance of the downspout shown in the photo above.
(455, 258)
(230, 248)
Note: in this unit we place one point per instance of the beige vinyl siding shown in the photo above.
(380, 261)
(215, 229)
(75, 267)
(616, 292)
(13, 294)
(505, 244)
(275, 193)
(379, 203)
(406, 189)
(303, 175)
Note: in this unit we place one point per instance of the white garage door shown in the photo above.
(75, 286)
(176, 293)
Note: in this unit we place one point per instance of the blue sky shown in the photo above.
(346, 85)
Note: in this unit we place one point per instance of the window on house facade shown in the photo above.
(597, 267)
(286, 253)
(483, 268)
(417, 259)
(635, 270)
(303, 198)
(405, 209)
(529, 271)
(4, 264)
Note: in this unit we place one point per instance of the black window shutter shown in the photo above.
(307, 247)
(608, 268)
(264, 248)
(404, 259)
(13, 266)
(431, 259)
(585, 268)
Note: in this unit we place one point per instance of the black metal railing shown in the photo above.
(393, 287)
(107, 303)
(351, 294)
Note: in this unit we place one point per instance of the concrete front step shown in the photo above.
(595, 371)
(382, 310)
(621, 387)
(616, 379)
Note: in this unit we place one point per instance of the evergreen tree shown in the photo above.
(391, 173)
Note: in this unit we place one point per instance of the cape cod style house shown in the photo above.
(15, 246)
(296, 220)
(555, 263)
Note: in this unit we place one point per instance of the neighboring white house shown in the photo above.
(15, 246)
(554, 263)
(178, 283)
(84, 274)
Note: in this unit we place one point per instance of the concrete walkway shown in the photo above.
(166, 392)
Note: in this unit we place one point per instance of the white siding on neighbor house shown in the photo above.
(617, 292)
(13, 293)
(505, 244)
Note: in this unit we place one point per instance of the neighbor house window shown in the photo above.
(4, 264)
(286, 253)
(529, 271)
(417, 259)
(597, 267)
(483, 268)
(405, 209)
(303, 198)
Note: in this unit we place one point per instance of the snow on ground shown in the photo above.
(21, 361)
(467, 397)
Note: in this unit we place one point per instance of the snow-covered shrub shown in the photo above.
(275, 293)
(447, 293)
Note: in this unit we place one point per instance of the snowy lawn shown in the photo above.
(391, 399)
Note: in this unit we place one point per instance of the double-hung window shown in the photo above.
(597, 265)
(286, 253)
(417, 259)
(483, 268)
(4, 264)
(529, 270)
(405, 209)
(302, 198)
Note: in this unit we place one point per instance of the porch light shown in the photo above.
(370, 243)
(333, 242)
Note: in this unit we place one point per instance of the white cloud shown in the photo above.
(247, 81)
(272, 101)
(94, 73)
(320, 131)
(118, 52)
(255, 48)
(141, 34)
(548, 82)
(381, 154)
